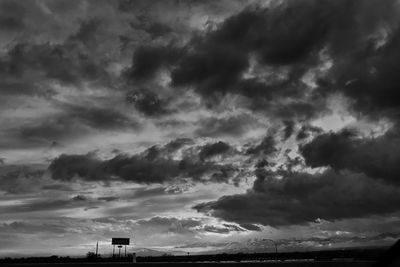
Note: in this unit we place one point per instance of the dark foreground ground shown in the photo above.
(344, 258)
(204, 264)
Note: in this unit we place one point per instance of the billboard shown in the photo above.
(119, 241)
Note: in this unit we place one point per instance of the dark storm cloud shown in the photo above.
(214, 63)
(274, 34)
(376, 157)
(370, 77)
(288, 129)
(147, 102)
(75, 121)
(365, 62)
(11, 16)
(87, 31)
(15, 179)
(267, 146)
(306, 131)
(249, 67)
(50, 49)
(65, 167)
(79, 198)
(210, 150)
(210, 68)
(280, 36)
(300, 198)
(26, 65)
(98, 117)
(147, 61)
(155, 165)
(157, 29)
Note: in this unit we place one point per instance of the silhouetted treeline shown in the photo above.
(356, 254)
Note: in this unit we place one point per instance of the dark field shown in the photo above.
(203, 264)
(347, 258)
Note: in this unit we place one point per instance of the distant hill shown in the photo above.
(146, 252)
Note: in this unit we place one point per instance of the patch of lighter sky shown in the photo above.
(313, 74)
(25, 108)
(264, 73)
(202, 16)
(86, 92)
(182, 208)
(12, 202)
(292, 144)
(381, 36)
(25, 156)
(250, 72)
(194, 115)
(339, 116)
(295, 232)
(116, 68)
(372, 129)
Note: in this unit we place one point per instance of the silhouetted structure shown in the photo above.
(119, 242)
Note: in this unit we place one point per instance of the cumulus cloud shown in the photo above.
(265, 147)
(154, 165)
(210, 150)
(243, 88)
(376, 157)
(301, 198)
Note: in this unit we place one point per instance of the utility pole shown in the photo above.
(97, 249)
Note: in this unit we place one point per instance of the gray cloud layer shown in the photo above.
(243, 88)
(300, 198)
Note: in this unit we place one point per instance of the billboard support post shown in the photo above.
(119, 251)
(119, 242)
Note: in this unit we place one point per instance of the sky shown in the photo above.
(198, 126)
